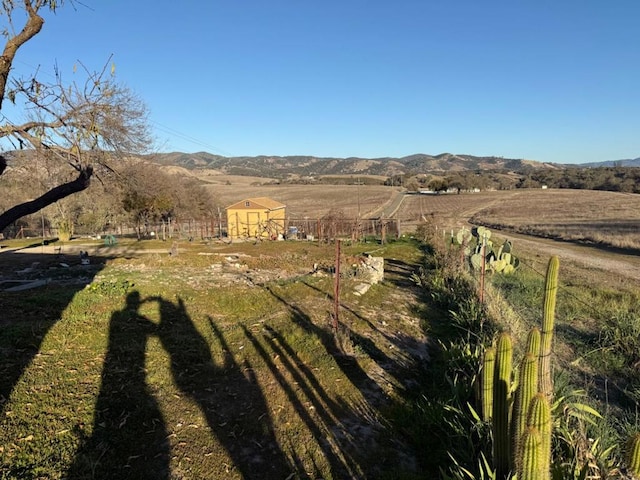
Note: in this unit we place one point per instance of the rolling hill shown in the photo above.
(281, 167)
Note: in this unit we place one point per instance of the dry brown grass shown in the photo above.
(447, 210)
(592, 217)
(313, 201)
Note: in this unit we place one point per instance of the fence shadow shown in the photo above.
(345, 422)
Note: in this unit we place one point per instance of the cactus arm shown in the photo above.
(527, 388)
(533, 342)
(539, 417)
(500, 414)
(488, 366)
(548, 319)
(530, 453)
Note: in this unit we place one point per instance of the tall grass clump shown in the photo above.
(440, 416)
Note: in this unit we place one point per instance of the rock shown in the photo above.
(361, 289)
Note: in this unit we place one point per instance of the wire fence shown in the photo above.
(290, 228)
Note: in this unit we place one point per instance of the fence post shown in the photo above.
(482, 267)
(336, 288)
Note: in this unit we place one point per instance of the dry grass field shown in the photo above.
(608, 219)
(312, 201)
(446, 211)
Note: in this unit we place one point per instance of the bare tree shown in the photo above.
(84, 124)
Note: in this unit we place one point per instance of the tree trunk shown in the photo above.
(57, 193)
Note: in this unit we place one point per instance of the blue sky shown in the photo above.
(555, 81)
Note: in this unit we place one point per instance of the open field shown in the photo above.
(609, 219)
(313, 201)
(216, 363)
(220, 362)
(592, 229)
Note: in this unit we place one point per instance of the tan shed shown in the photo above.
(256, 218)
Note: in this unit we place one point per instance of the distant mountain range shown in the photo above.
(310, 166)
(628, 162)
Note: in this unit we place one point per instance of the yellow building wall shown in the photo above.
(254, 223)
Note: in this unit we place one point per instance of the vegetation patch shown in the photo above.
(156, 369)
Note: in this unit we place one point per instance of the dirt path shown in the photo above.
(581, 262)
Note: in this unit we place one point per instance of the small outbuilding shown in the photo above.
(256, 218)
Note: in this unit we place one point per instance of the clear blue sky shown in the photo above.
(548, 80)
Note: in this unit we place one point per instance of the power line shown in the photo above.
(189, 138)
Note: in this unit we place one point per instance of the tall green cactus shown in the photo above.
(539, 417)
(533, 342)
(527, 388)
(500, 414)
(512, 431)
(548, 318)
(633, 456)
(488, 366)
(530, 455)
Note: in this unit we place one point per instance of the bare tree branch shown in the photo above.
(31, 28)
(82, 124)
(61, 191)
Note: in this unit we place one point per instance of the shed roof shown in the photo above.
(260, 202)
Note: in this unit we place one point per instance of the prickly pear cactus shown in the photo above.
(464, 236)
(498, 260)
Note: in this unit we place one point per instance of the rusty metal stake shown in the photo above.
(336, 288)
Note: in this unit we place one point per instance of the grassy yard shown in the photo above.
(219, 362)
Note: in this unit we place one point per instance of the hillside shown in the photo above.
(627, 162)
(281, 167)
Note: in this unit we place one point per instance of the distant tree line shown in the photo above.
(615, 179)
(137, 195)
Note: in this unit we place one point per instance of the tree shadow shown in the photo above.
(313, 398)
(352, 429)
(408, 350)
(28, 315)
(227, 393)
(129, 439)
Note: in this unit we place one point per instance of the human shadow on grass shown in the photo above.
(227, 393)
(129, 437)
(26, 316)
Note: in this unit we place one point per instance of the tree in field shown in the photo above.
(438, 185)
(83, 125)
(152, 196)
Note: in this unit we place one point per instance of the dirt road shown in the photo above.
(616, 269)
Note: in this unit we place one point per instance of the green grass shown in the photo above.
(193, 367)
